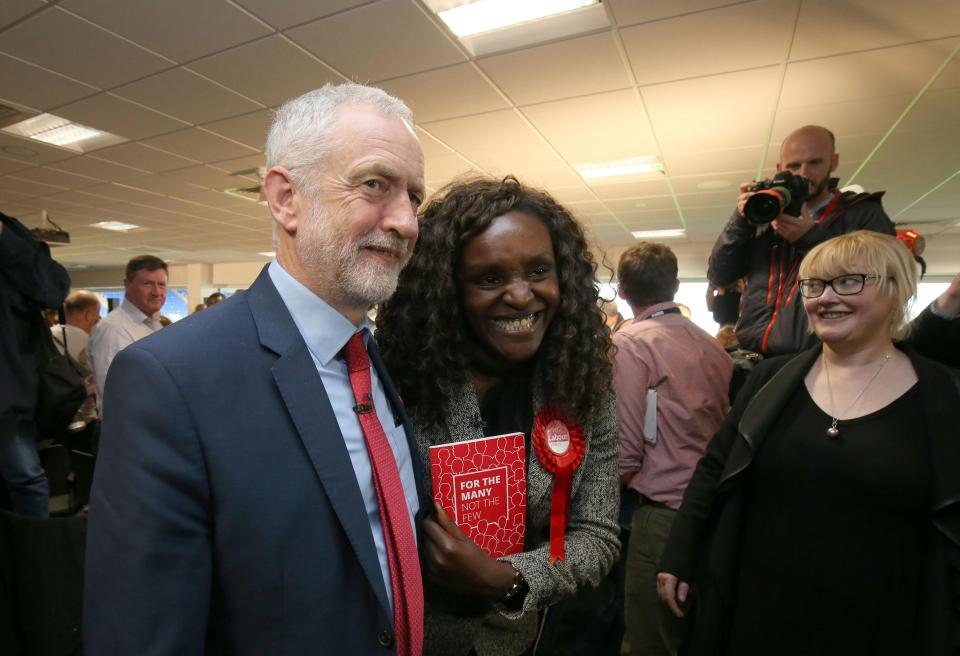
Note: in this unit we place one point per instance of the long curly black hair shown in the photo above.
(422, 330)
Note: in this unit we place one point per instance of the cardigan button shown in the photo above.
(385, 638)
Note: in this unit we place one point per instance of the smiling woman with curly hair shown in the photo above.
(495, 319)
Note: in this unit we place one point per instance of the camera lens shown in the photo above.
(763, 207)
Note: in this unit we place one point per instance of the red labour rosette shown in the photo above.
(559, 444)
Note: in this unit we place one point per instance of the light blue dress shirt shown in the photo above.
(326, 332)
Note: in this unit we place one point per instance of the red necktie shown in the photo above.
(402, 555)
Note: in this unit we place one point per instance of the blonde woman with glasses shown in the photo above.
(825, 516)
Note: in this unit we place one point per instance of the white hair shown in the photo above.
(301, 134)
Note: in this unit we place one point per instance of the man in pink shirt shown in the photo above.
(671, 379)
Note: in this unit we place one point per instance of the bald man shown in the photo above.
(772, 321)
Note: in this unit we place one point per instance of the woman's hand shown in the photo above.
(672, 591)
(455, 562)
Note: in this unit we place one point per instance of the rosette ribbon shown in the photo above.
(559, 444)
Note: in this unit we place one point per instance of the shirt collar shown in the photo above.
(325, 330)
(653, 309)
(134, 312)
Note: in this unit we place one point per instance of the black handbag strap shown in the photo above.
(61, 315)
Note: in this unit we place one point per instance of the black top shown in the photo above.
(833, 537)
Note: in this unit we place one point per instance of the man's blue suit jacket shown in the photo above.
(225, 515)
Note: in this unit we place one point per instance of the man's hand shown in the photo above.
(745, 193)
(793, 228)
(672, 591)
(455, 562)
(949, 301)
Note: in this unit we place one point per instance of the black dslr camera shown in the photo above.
(784, 194)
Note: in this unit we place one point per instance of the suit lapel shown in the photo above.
(309, 407)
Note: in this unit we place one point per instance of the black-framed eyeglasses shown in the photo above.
(846, 285)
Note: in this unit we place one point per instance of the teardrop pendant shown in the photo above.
(833, 431)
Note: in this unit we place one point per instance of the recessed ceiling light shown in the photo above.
(118, 226)
(62, 132)
(487, 15)
(631, 166)
(267, 254)
(710, 185)
(659, 234)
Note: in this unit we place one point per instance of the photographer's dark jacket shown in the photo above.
(772, 321)
(704, 545)
(29, 280)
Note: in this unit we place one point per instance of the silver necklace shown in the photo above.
(833, 431)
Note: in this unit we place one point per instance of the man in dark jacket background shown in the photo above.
(29, 280)
(772, 321)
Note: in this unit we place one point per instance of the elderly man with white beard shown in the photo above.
(264, 497)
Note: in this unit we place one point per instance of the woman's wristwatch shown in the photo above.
(517, 592)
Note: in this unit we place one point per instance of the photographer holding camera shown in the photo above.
(775, 224)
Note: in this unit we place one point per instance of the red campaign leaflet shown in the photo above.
(482, 485)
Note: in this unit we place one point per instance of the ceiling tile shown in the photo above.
(9, 165)
(199, 145)
(575, 67)
(573, 194)
(8, 197)
(250, 129)
(875, 25)
(118, 116)
(579, 128)
(210, 178)
(18, 149)
(725, 199)
(106, 60)
(294, 12)
(715, 161)
(143, 157)
(270, 70)
(387, 29)
(864, 75)
(159, 184)
(722, 119)
(98, 168)
(57, 178)
(446, 93)
(34, 87)
(872, 116)
(9, 183)
(14, 10)
(179, 29)
(119, 192)
(645, 204)
(628, 12)
(674, 49)
(554, 177)
(500, 142)
(732, 179)
(650, 184)
(238, 164)
(220, 200)
(187, 96)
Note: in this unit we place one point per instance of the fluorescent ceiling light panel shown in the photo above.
(118, 226)
(62, 132)
(631, 166)
(487, 15)
(267, 254)
(659, 234)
